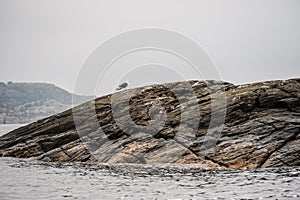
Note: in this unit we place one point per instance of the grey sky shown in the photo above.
(249, 40)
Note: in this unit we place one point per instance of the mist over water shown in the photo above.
(50, 41)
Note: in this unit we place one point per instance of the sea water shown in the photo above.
(27, 179)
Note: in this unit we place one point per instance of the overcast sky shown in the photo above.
(249, 40)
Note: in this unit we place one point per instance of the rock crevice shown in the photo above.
(261, 127)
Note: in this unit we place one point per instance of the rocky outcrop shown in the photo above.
(261, 127)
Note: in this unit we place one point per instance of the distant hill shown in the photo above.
(28, 102)
(249, 126)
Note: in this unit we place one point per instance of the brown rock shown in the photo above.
(261, 127)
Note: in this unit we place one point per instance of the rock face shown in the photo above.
(261, 128)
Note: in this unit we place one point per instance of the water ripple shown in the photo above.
(23, 179)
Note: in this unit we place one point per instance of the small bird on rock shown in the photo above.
(123, 85)
(196, 84)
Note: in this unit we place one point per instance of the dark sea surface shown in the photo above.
(28, 179)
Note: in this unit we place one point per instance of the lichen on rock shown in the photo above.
(261, 128)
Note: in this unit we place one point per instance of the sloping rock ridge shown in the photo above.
(261, 128)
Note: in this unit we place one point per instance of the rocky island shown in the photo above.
(22, 103)
(260, 128)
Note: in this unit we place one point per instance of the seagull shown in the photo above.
(196, 84)
(123, 85)
(162, 111)
(236, 98)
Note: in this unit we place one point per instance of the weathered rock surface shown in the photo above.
(261, 128)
